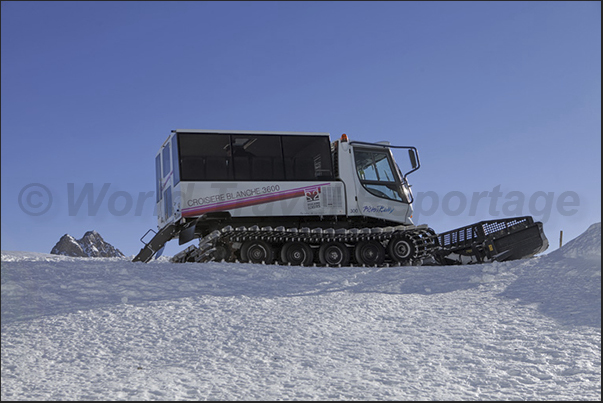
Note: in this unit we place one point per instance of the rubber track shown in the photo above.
(422, 236)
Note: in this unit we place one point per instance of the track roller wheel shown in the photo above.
(257, 251)
(334, 254)
(297, 254)
(370, 253)
(222, 252)
(402, 248)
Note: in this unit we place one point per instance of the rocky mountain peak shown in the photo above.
(91, 244)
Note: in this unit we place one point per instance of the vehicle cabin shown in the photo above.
(239, 156)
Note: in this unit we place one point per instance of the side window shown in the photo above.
(257, 157)
(223, 157)
(166, 160)
(376, 174)
(364, 165)
(167, 202)
(307, 158)
(158, 178)
(204, 157)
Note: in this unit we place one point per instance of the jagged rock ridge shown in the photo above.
(90, 245)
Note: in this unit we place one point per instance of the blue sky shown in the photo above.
(500, 98)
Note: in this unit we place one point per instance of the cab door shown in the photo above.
(380, 192)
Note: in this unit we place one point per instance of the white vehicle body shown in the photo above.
(277, 180)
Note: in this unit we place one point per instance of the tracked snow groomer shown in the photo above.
(298, 198)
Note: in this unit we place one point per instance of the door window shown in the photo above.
(376, 173)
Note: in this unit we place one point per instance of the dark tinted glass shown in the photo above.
(219, 157)
(257, 157)
(307, 158)
(204, 157)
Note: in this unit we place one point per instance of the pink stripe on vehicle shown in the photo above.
(249, 201)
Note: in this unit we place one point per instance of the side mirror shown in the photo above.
(413, 158)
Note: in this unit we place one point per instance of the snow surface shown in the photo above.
(110, 329)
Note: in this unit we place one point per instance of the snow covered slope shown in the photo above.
(107, 329)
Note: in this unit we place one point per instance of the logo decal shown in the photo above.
(313, 198)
